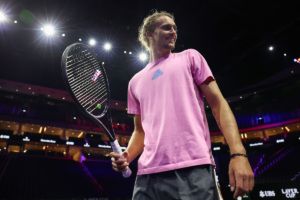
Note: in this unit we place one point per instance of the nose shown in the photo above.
(174, 34)
(173, 30)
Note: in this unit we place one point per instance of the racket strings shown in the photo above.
(74, 72)
(73, 59)
(80, 65)
(76, 65)
(99, 97)
(73, 75)
(82, 95)
(83, 65)
(84, 86)
(91, 94)
(94, 101)
(99, 101)
(79, 79)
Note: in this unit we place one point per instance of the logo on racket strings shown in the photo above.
(96, 75)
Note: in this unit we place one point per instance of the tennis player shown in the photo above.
(171, 131)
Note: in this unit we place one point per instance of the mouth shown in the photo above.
(171, 39)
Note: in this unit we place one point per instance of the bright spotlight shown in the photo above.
(107, 46)
(63, 35)
(3, 17)
(92, 42)
(271, 48)
(49, 30)
(143, 56)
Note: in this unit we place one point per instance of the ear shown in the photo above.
(149, 36)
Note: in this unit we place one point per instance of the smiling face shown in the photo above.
(164, 36)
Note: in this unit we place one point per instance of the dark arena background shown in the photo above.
(49, 150)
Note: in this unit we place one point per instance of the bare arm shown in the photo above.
(136, 142)
(241, 178)
(223, 116)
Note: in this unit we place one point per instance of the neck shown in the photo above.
(156, 54)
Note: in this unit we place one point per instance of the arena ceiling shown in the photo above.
(234, 37)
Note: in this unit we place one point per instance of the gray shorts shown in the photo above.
(192, 183)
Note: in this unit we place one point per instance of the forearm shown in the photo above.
(136, 145)
(228, 126)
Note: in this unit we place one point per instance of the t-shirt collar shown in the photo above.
(154, 63)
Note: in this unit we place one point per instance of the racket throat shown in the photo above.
(107, 126)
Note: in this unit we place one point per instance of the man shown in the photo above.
(171, 131)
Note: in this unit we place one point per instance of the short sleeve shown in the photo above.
(133, 105)
(199, 67)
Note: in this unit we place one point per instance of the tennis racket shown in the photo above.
(87, 82)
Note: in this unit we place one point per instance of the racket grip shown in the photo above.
(116, 148)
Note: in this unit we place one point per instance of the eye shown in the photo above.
(175, 28)
(169, 27)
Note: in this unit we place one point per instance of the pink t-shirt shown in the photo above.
(172, 111)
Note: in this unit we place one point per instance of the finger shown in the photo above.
(231, 180)
(120, 161)
(251, 184)
(237, 193)
(125, 154)
(123, 167)
(114, 155)
(114, 166)
(246, 183)
(120, 164)
(238, 185)
(119, 167)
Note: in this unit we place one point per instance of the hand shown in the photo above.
(119, 161)
(241, 177)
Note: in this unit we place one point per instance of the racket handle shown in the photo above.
(116, 148)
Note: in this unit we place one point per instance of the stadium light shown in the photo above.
(143, 56)
(297, 60)
(92, 42)
(107, 46)
(3, 17)
(49, 30)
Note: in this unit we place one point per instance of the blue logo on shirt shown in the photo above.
(156, 74)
